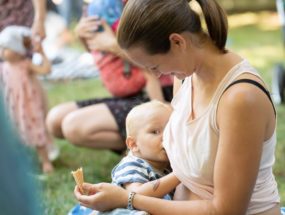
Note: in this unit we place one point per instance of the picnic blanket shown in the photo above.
(81, 210)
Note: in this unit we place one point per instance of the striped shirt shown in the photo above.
(132, 169)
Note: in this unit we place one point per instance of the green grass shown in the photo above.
(58, 187)
(255, 37)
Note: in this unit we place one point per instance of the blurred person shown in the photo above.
(100, 123)
(24, 96)
(18, 189)
(70, 11)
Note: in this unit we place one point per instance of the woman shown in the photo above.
(100, 123)
(221, 137)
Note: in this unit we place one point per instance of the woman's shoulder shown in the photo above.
(247, 97)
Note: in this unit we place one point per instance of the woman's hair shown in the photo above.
(150, 22)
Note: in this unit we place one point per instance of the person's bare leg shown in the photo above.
(47, 166)
(93, 126)
(55, 117)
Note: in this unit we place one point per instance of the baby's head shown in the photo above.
(145, 124)
(15, 42)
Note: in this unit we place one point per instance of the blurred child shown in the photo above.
(142, 169)
(23, 93)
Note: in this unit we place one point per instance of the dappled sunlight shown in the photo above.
(263, 54)
(264, 20)
(263, 57)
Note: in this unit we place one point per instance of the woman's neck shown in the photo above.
(213, 66)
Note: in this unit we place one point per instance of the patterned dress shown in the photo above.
(16, 12)
(25, 102)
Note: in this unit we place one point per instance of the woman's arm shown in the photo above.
(153, 87)
(157, 188)
(38, 28)
(39, 18)
(105, 40)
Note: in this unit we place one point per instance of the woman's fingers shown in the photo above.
(88, 27)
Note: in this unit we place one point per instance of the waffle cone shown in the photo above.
(78, 177)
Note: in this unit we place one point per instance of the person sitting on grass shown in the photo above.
(143, 168)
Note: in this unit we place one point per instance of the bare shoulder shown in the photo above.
(245, 102)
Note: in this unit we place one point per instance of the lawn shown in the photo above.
(256, 37)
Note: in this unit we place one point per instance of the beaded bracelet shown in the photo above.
(130, 200)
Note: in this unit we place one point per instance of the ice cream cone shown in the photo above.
(78, 177)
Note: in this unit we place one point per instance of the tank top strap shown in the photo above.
(237, 70)
(255, 83)
(240, 68)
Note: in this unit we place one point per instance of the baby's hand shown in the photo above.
(89, 189)
(38, 48)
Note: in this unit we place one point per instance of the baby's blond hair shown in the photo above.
(137, 112)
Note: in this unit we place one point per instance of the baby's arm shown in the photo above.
(157, 188)
(44, 67)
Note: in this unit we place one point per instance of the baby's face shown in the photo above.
(149, 135)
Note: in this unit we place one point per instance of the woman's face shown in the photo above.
(175, 62)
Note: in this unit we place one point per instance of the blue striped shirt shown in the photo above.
(132, 169)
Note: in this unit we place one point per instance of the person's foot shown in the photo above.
(53, 152)
(47, 167)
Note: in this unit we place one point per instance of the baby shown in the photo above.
(147, 160)
(23, 93)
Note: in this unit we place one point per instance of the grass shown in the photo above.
(256, 37)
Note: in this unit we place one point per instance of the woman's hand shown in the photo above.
(103, 40)
(87, 27)
(102, 196)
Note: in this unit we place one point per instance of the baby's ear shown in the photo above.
(131, 143)
(27, 42)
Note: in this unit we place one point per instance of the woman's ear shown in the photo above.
(177, 41)
(131, 144)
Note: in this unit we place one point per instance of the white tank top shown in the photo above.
(192, 146)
